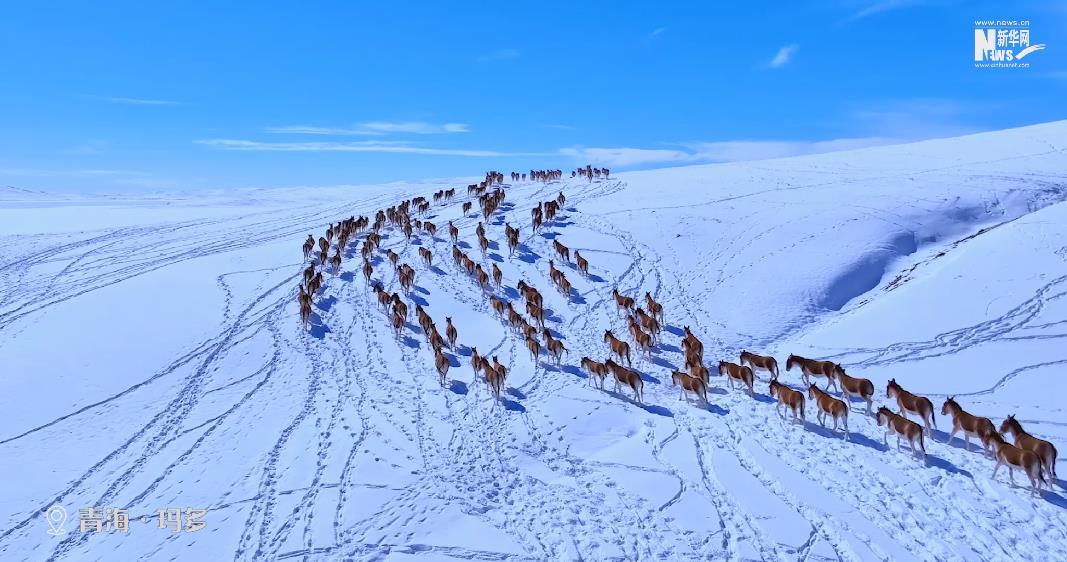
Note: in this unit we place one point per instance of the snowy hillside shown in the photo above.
(151, 356)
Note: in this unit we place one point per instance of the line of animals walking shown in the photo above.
(1035, 457)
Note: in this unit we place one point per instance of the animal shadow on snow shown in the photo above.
(453, 361)
(513, 406)
(527, 255)
(760, 397)
(464, 245)
(511, 293)
(458, 387)
(348, 277)
(318, 328)
(550, 235)
(437, 270)
(668, 348)
(938, 462)
(422, 290)
(410, 342)
(562, 223)
(576, 297)
(661, 362)
(326, 304)
(496, 257)
(674, 330)
(463, 350)
(419, 300)
(709, 407)
(1052, 497)
(571, 369)
(957, 441)
(512, 391)
(853, 437)
(650, 408)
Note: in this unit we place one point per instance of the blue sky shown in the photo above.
(146, 96)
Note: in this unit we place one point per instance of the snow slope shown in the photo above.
(152, 358)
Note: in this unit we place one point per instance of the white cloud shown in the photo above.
(724, 151)
(375, 128)
(921, 118)
(88, 172)
(500, 54)
(784, 55)
(626, 156)
(416, 127)
(140, 101)
(883, 6)
(655, 33)
(395, 147)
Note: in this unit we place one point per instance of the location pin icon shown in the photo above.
(56, 516)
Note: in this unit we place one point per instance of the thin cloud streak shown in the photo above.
(87, 172)
(501, 54)
(784, 55)
(392, 147)
(374, 128)
(725, 151)
(882, 7)
(655, 33)
(140, 101)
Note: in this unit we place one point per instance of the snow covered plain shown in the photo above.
(152, 357)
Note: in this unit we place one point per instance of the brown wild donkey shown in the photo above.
(791, 399)
(494, 380)
(618, 347)
(765, 362)
(441, 361)
(812, 367)
(828, 405)
(1043, 449)
(476, 360)
(689, 383)
(901, 426)
(625, 304)
(970, 424)
(596, 369)
(854, 386)
(655, 308)
(534, 346)
(1015, 457)
(555, 347)
(583, 264)
(629, 377)
(738, 373)
(908, 402)
(450, 332)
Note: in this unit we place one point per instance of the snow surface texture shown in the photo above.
(152, 357)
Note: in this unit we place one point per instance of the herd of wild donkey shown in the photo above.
(1034, 456)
